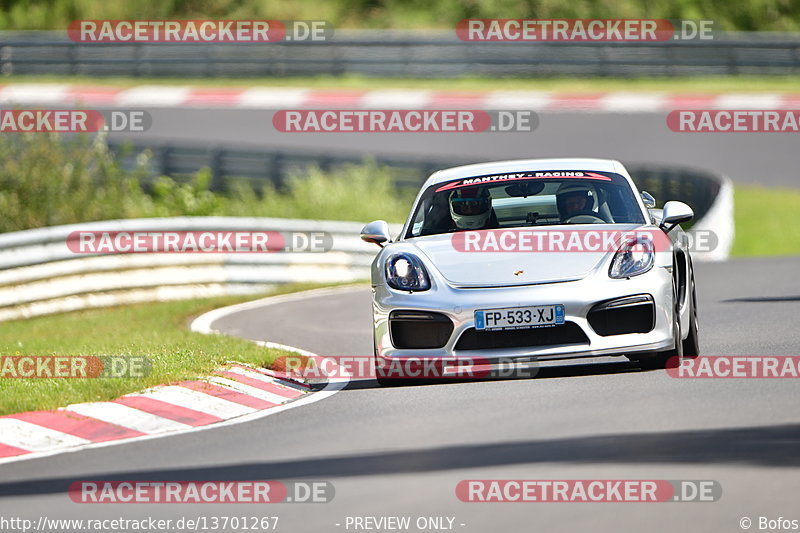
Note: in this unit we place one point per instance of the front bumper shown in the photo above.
(578, 297)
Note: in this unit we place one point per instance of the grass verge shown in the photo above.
(767, 221)
(157, 331)
(713, 84)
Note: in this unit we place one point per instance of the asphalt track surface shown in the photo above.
(401, 451)
(765, 158)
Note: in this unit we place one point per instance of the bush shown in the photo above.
(46, 181)
(353, 192)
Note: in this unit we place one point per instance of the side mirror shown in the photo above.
(674, 214)
(376, 232)
(649, 201)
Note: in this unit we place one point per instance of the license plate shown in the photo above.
(519, 317)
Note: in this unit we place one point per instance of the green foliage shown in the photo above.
(763, 15)
(45, 181)
(352, 192)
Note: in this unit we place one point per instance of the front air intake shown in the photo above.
(622, 316)
(419, 329)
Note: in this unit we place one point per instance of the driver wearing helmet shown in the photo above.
(471, 208)
(574, 199)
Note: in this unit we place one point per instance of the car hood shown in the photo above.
(493, 269)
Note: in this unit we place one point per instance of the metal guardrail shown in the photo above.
(696, 187)
(39, 274)
(388, 54)
(257, 166)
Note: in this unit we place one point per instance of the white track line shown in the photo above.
(198, 401)
(396, 99)
(272, 97)
(535, 100)
(35, 438)
(33, 93)
(748, 101)
(202, 324)
(248, 389)
(154, 95)
(268, 378)
(128, 417)
(245, 372)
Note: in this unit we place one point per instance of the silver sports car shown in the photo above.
(532, 261)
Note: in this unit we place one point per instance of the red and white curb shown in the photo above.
(234, 394)
(23, 94)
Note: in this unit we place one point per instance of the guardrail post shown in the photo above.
(72, 54)
(138, 55)
(278, 175)
(166, 160)
(217, 177)
(732, 67)
(6, 65)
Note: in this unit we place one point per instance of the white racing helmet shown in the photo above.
(470, 207)
(571, 190)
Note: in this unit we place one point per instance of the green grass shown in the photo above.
(767, 221)
(766, 15)
(779, 84)
(159, 332)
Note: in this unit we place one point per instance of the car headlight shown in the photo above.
(406, 273)
(636, 256)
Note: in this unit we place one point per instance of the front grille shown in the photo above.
(568, 333)
(419, 329)
(633, 314)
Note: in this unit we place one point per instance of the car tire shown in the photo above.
(386, 382)
(659, 360)
(691, 346)
(382, 381)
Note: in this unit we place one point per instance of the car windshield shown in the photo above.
(525, 199)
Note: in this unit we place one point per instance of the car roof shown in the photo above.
(522, 165)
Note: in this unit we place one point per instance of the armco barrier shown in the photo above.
(39, 274)
(697, 187)
(424, 54)
(709, 194)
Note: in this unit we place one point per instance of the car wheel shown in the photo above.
(383, 382)
(691, 346)
(659, 360)
(386, 382)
